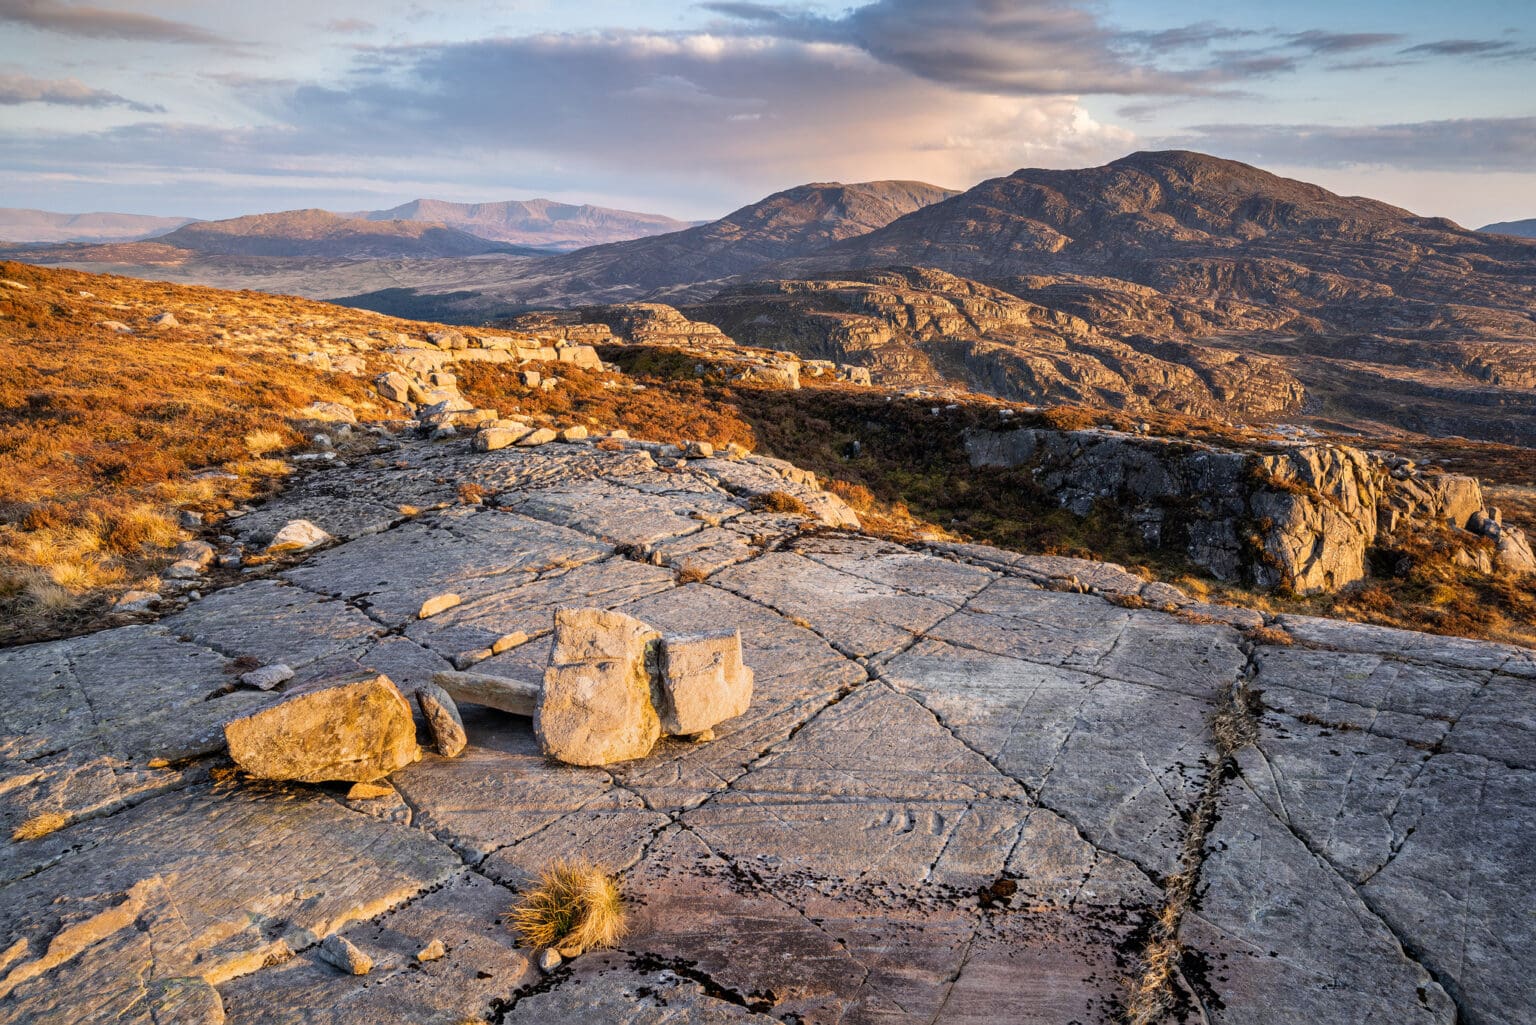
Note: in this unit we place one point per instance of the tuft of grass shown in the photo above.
(575, 907)
(39, 826)
(779, 502)
(691, 575)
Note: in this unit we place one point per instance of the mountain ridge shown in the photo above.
(540, 223)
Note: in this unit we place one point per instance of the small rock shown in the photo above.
(530, 378)
(432, 951)
(189, 519)
(700, 450)
(438, 603)
(542, 436)
(267, 677)
(369, 791)
(356, 728)
(342, 953)
(328, 411)
(8, 283)
(442, 718)
(297, 536)
(549, 960)
(136, 601)
(576, 433)
(183, 569)
(116, 325)
(200, 553)
(166, 319)
(465, 659)
(493, 438)
(506, 642)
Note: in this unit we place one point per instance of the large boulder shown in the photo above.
(703, 681)
(357, 728)
(597, 706)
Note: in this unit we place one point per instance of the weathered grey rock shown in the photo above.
(394, 386)
(575, 433)
(443, 719)
(330, 412)
(505, 694)
(596, 706)
(703, 681)
(267, 677)
(136, 601)
(351, 728)
(166, 319)
(297, 536)
(343, 953)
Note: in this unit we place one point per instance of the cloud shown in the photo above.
(1001, 47)
(1320, 42)
(1457, 144)
(100, 23)
(1466, 48)
(70, 92)
(710, 120)
(350, 26)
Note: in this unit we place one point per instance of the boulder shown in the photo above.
(703, 681)
(356, 728)
(576, 433)
(330, 412)
(1512, 553)
(297, 536)
(442, 719)
(166, 319)
(541, 436)
(596, 706)
(394, 386)
(492, 438)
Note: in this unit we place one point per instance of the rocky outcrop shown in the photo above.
(923, 327)
(1300, 517)
(965, 787)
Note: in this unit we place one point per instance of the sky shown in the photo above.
(207, 108)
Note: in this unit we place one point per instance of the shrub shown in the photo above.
(575, 907)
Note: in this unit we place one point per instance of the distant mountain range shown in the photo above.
(1525, 228)
(20, 225)
(318, 233)
(539, 223)
(1122, 270)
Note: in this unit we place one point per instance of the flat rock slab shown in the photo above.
(961, 782)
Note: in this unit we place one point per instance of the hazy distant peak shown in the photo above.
(534, 222)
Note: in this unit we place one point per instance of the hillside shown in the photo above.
(536, 223)
(318, 233)
(970, 781)
(787, 224)
(1524, 229)
(19, 225)
(1195, 227)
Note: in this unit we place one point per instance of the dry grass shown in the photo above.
(575, 907)
(102, 434)
(692, 575)
(779, 502)
(39, 826)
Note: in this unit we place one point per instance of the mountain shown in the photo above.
(693, 262)
(541, 223)
(1235, 240)
(318, 233)
(20, 225)
(1523, 229)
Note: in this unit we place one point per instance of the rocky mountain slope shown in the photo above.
(913, 327)
(1190, 225)
(21, 225)
(537, 223)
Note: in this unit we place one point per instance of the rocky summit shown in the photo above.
(970, 784)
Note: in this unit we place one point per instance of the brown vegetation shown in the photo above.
(104, 436)
(575, 907)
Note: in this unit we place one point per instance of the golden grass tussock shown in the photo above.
(575, 907)
(39, 826)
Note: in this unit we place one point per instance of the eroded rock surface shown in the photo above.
(963, 786)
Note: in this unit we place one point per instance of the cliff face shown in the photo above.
(916, 326)
(1301, 517)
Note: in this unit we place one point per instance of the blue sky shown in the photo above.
(210, 108)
